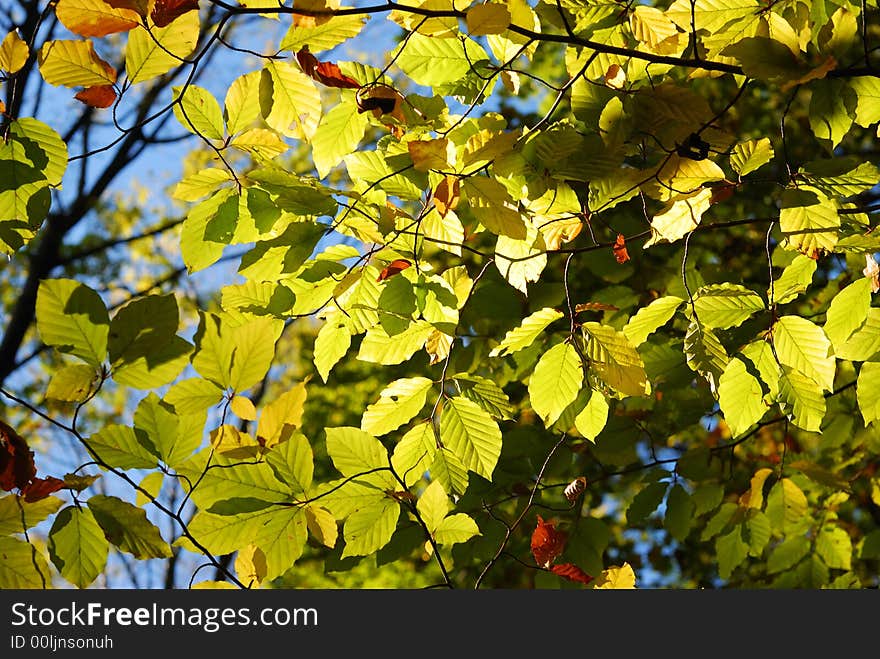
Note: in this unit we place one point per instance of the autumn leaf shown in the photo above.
(447, 195)
(380, 100)
(393, 268)
(98, 96)
(571, 572)
(615, 77)
(40, 488)
(619, 249)
(595, 306)
(327, 73)
(165, 11)
(17, 467)
(872, 272)
(547, 543)
(95, 18)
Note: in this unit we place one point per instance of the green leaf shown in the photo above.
(119, 447)
(740, 397)
(841, 177)
(809, 222)
(72, 318)
(455, 529)
(615, 360)
(433, 506)
(42, 145)
(556, 381)
(127, 527)
(398, 403)
(18, 516)
(22, 565)
(24, 195)
(354, 451)
(72, 383)
(236, 356)
(164, 429)
(848, 311)
(414, 453)
(801, 399)
(369, 529)
(521, 261)
(751, 155)
(803, 346)
(322, 526)
(679, 513)
(435, 61)
(448, 468)
(833, 544)
(787, 554)
(731, 552)
(149, 54)
(197, 249)
(296, 102)
(832, 108)
(293, 462)
(150, 486)
(645, 502)
(271, 260)
(867, 89)
(756, 532)
(865, 342)
(786, 506)
(77, 546)
(525, 334)
(471, 435)
(794, 280)
(379, 348)
(371, 168)
(484, 393)
(322, 36)
(282, 538)
(726, 305)
(705, 354)
(591, 420)
(198, 111)
(339, 133)
(145, 351)
(193, 396)
(868, 391)
(225, 479)
(242, 102)
(650, 318)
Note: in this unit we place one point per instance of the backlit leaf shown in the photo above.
(471, 435)
(398, 403)
(556, 381)
(77, 546)
(127, 527)
(74, 63)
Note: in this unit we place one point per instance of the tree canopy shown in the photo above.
(507, 294)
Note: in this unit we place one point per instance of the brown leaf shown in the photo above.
(447, 195)
(141, 7)
(571, 572)
(393, 268)
(99, 96)
(17, 467)
(165, 11)
(619, 249)
(40, 488)
(381, 100)
(547, 543)
(872, 272)
(722, 192)
(574, 489)
(327, 73)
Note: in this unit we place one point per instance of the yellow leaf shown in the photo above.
(682, 176)
(13, 53)
(322, 525)
(74, 63)
(490, 18)
(250, 565)
(243, 408)
(261, 143)
(679, 218)
(230, 441)
(651, 26)
(429, 154)
(615, 577)
(151, 54)
(438, 346)
(95, 18)
(283, 414)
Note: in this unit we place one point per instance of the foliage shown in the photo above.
(567, 294)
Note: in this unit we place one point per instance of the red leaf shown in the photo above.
(99, 96)
(571, 572)
(331, 75)
(166, 11)
(17, 467)
(547, 542)
(619, 249)
(40, 488)
(393, 268)
(722, 192)
(327, 73)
